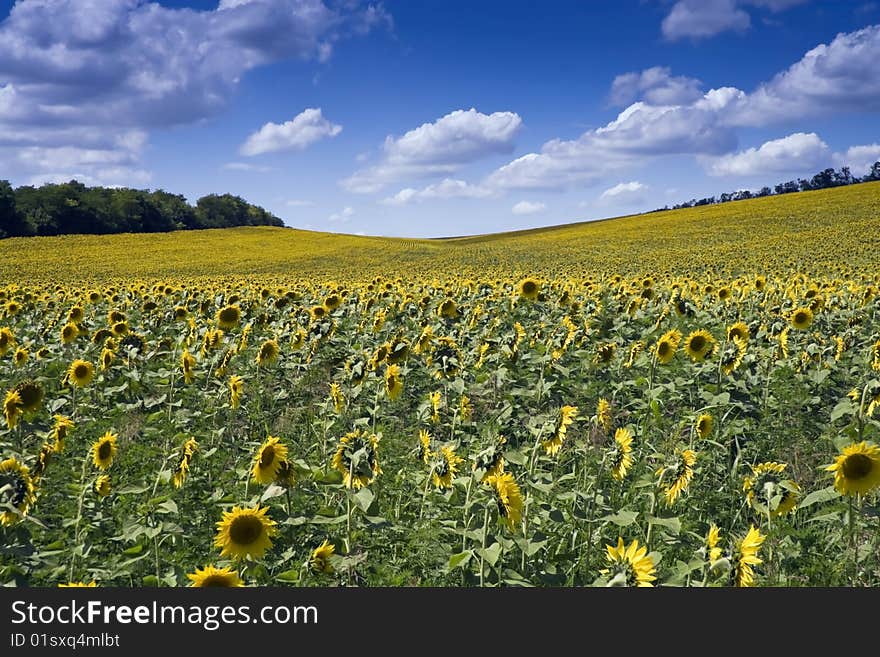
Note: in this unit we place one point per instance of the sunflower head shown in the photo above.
(268, 353)
(13, 407)
(667, 345)
(802, 318)
(857, 469)
(245, 532)
(357, 458)
(104, 450)
(445, 467)
(80, 373)
(508, 498)
(20, 357)
(448, 309)
(16, 489)
(393, 382)
(704, 425)
(746, 556)
(229, 317)
(699, 344)
(236, 389)
(769, 491)
(211, 576)
(320, 560)
(528, 288)
(102, 486)
(629, 565)
(267, 460)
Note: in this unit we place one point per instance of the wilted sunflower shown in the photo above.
(682, 473)
(508, 498)
(103, 486)
(81, 373)
(667, 345)
(16, 489)
(229, 317)
(267, 460)
(630, 566)
(245, 532)
(747, 556)
(698, 344)
(448, 309)
(357, 458)
(236, 389)
(268, 353)
(567, 415)
(528, 288)
(621, 458)
(319, 561)
(393, 382)
(211, 576)
(857, 469)
(445, 467)
(190, 447)
(801, 318)
(766, 489)
(704, 424)
(104, 450)
(12, 408)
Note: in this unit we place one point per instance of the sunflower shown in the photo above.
(68, 333)
(766, 486)
(268, 353)
(81, 373)
(621, 459)
(435, 399)
(682, 473)
(567, 414)
(42, 463)
(78, 585)
(20, 357)
(236, 388)
(424, 449)
(747, 556)
(63, 426)
(603, 415)
(507, 497)
(114, 317)
(212, 340)
(180, 312)
(332, 302)
(267, 459)
(102, 486)
(211, 576)
(7, 340)
(357, 458)
(635, 349)
(605, 352)
(875, 356)
(633, 565)
(120, 328)
(393, 382)
(528, 288)
(857, 469)
(446, 358)
(712, 540)
(298, 339)
(698, 344)
(104, 450)
(760, 283)
(704, 425)
(801, 318)
(491, 459)
(229, 317)
(188, 364)
(667, 345)
(732, 355)
(336, 397)
(448, 309)
(189, 449)
(445, 468)
(245, 532)
(12, 408)
(319, 561)
(740, 330)
(317, 313)
(16, 489)
(423, 344)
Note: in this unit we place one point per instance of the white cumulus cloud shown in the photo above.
(700, 19)
(446, 188)
(859, 159)
(624, 193)
(303, 130)
(528, 207)
(656, 85)
(797, 153)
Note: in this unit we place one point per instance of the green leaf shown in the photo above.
(288, 576)
(460, 560)
(364, 498)
(622, 518)
(490, 553)
(168, 506)
(844, 407)
(672, 524)
(133, 550)
(819, 496)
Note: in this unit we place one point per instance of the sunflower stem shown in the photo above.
(482, 552)
(82, 495)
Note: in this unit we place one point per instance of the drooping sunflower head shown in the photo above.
(445, 467)
(630, 565)
(424, 453)
(491, 459)
(393, 382)
(357, 458)
(713, 538)
(103, 486)
(746, 556)
(508, 498)
(267, 460)
(104, 450)
(336, 397)
(16, 489)
(320, 560)
(211, 576)
(621, 458)
(448, 309)
(704, 424)
(740, 330)
(732, 355)
(7, 340)
(236, 389)
(245, 532)
(603, 415)
(667, 345)
(229, 317)
(61, 429)
(767, 490)
(268, 353)
(857, 469)
(528, 288)
(699, 344)
(802, 318)
(567, 415)
(680, 475)
(13, 407)
(81, 373)
(445, 358)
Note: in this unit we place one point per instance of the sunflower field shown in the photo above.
(687, 398)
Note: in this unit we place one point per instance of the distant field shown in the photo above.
(826, 231)
(687, 398)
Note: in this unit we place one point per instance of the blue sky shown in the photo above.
(438, 118)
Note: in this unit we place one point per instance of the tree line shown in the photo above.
(822, 180)
(73, 208)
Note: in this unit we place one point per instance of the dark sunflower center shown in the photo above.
(857, 466)
(228, 315)
(529, 287)
(67, 332)
(245, 530)
(663, 349)
(217, 580)
(104, 450)
(698, 343)
(267, 457)
(80, 371)
(800, 318)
